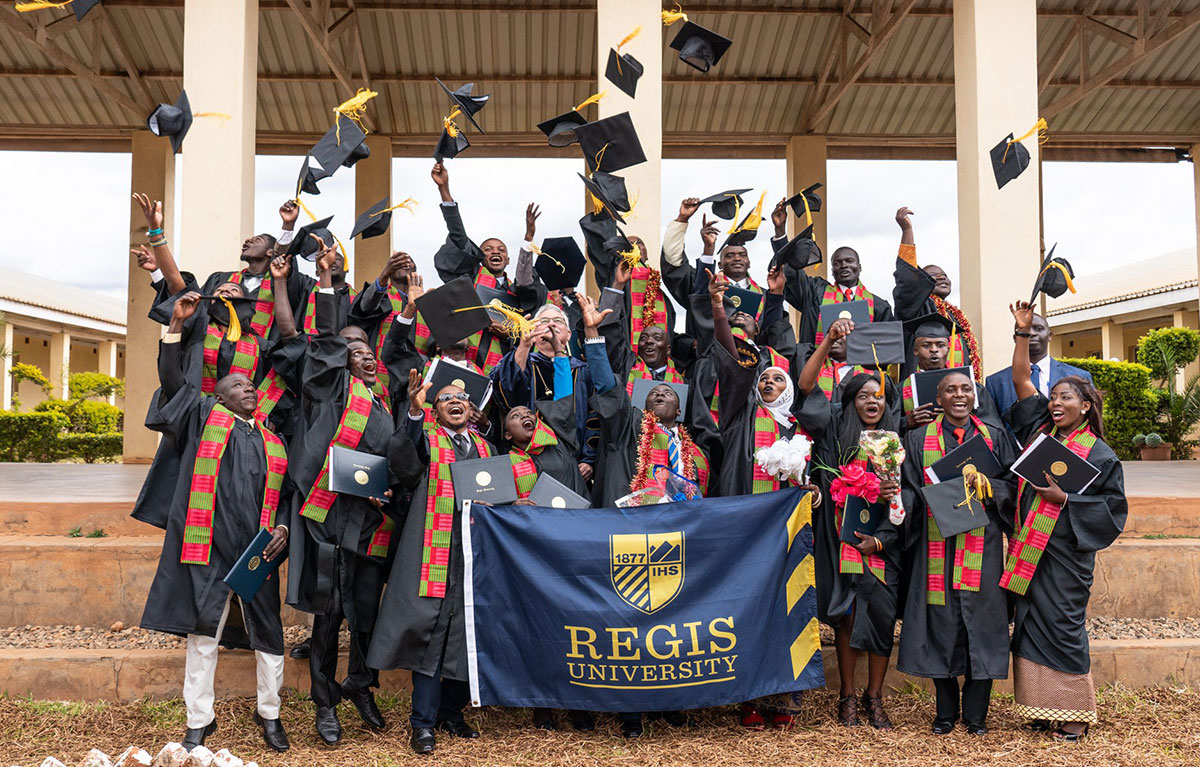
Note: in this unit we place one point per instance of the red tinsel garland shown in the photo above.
(688, 449)
(949, 310)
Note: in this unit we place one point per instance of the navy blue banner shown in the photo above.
(655, 608)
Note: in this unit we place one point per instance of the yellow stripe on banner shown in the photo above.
(652, 686)
(800, 581)
(803, 648)
(801, 516)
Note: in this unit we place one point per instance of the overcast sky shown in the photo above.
(68, 213)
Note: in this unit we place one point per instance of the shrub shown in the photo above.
(30, 436)
(1153, 440)
(22, 371)
(86, 416)
(1162, 349)
(1129, 402)
(90, 448)
(84, 385)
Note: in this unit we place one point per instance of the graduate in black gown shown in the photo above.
(1051, 663)
(929, 339)
(956, 622)
(340, 549)
(857, 586)
(207, 530)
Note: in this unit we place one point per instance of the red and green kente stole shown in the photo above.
(964, 348)
(835, 294)
(524, 469)
(766, 433)
(494, 352)
(245, 357)
(264, 303)
(1025, 550)
(827, 379)
(646, 300)
(639, 372)
(968, 546)
(439, 512)
(850, 559)
(777, 361)
(202, 495)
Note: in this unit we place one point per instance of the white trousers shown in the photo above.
(200, 672)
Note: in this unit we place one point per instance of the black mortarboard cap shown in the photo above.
(1009, 160)
(742, 234)
(886, 338)
(643, 386)
(172, 120)
(597, 229)
(449, 147)
(487, 295)
(361, 152)
(438, 306)
(304, 246)
(614, 140)
(947, 501)
(443, 374)
(560, 264)
(725, 205)
(742, 300)
(81, 8)
(560, 131)
(373, 221)
(307, 183)
(623, 71)
(610, 191)
(929, 326)
(796, 203)
(332, 152)
(1055, 277)
(800, 252)
(619, 243)
(698, 47)
(465, 101)
(244, 307)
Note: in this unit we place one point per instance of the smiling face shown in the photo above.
(931, 352)
(452, 407)
(845, 267)
(771, 383)
(869, 406)
(744, 321)
(1067, 408)
(519, 426)
(663, 403)
(236, 392)
(361, 362)
(735, 262)
(495, 256)
(653, 346)
(257, 248)
(941, 283)
(956, 396)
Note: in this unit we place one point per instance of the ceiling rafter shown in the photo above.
(112, 37)
(312, 19)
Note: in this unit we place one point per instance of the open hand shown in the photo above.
(185, 305)
(622, 274)
(151, 209)
(592, 316)
(919, 416)
(709, 232)
(531, 216)
(1022, 312)
(145, 258)
(417, 391)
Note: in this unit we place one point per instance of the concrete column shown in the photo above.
(806, 156)
(373, 182)
(995, 93)
(1185, 318)
(107, 363)
(59, 370)
(1055, 347)
(1112, 339)
(153, 174)
(220, 60)
(6, 363)
(614, 20)
(1196, 195)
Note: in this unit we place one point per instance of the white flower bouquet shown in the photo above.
(786, 459)
(885, 451)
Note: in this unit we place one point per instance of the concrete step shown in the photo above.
(1142, 578)
(126, 675)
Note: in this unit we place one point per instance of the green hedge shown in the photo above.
(1129, 401)
(30, 436)
(1182, 343)
(90, 448)
(86, 416)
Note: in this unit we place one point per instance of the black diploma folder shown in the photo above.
(247, 575)
(1046, 455)
(486, 480)
(857, 312)
(355, 473)
(861, 517)
(552, 494)
(973, 452)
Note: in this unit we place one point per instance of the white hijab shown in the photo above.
(781, 408)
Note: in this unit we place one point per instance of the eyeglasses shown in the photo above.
(462, 395)
(552, 321)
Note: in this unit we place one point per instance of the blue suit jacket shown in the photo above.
(1000, 384)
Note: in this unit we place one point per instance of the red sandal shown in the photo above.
(751, 718)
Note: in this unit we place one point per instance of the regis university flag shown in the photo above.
(654, 608)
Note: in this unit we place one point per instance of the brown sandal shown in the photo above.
(873, 707)
(848, 711)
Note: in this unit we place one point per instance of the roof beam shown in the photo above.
(117, 46)
(318, 34)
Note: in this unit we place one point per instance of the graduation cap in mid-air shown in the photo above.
(464, 100)
(609, 190)
(698, 47)
(725, 205)
(597, 229)
(623, 71)
(304, 246)
(809, 196)
(560, 131)
(610, 144)
(450, 146)
(800, 252)
(172, 120)
(560, 263)
(360, 152)
(453, 312)
(80, 7)
(1010, 158)
(1055, 277)
(747, 230)
(375, 220)
(334, 150)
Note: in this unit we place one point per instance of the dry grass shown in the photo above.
(1150, 727)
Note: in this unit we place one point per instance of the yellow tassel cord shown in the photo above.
(539, 252)
(1039, 127)
(976, 489)
(629, 215)
(637, 31)
(222, 116)
(408, 205)
(233, 333)
(452, 130)
(737, 214)
(599, 157)
(670, 17)
(596, 205)
(1066, 274)
(593, 99)
(882, 385)
(37, 5)
(354, 108)
(304, 208)
(753, 221)
(632, 258)
(515, 324)
(807, 212)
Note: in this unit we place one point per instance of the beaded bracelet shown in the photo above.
(152, 232)
(158, 243)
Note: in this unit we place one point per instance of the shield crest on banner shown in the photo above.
(647, 569)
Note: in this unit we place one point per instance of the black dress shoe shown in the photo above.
(328, 726)
(632, 728)
(423, 740)
(273, 733)
(370, 713)
(302, 650)
(976, 729)
(675, 718)
(459, 729)
(582, 721)
(943, 726)
(196, 737)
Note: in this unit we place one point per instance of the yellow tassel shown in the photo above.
(515, 324)
(737, 214)
(637, 31)
(670, 17)
(538, 251)
(599, 156)
(807, 212)
(593, 99)
(233, 333)
(632, 258)
(408, 205)
(345, 256)
(354, 108)
(304, 208)
(633, 204)
(1040, 128)
(452, 130)
(222, 116)
(882, 385)
(978, 490)
(596, 205)
(753, 221)
(1066, 274)
(37, 5)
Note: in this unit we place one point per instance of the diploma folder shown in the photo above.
(549, 493)
(857, 312)
(249, 573)
(858, 516)
(486, 480)
(1046, 454)
(973, 452)
(355, 473)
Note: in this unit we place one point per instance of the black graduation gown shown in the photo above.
(514, 386)
(460, 256)
(334, 551)
(968, 634)
(597, 228)
(189, 599)
(875, 604)
(559, 460)
(416, 632)
(1049, 619)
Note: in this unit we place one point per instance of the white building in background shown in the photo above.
(59, 328)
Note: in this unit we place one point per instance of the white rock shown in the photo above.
(225, 759)
(199, 757)
(96, 758)
(50, 761)
(133, 756)
(172, 755)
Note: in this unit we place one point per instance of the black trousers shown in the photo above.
(976, 694)
(437, 700)
(323, 658)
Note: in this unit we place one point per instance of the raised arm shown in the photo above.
(812, 368)
(170, 361)
(717, 285)
(603, 378)
(908, 250)
(1022, 372)
(164, 261)
(281, 267)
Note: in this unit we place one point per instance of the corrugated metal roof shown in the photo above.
(1122, 283)
(30, 290)
(537, 58)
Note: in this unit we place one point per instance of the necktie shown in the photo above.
(461, 444)
(959, 434)
(849, 296)
(1036, 377)
(676, 463)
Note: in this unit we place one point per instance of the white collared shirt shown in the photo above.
(1043, 366)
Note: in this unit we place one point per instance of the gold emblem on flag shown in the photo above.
(1058, 468)
(647, 570)
(361, 477)
(253, 564)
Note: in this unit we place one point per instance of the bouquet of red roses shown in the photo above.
(857, 481)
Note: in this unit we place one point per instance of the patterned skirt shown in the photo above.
(1054, 696)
